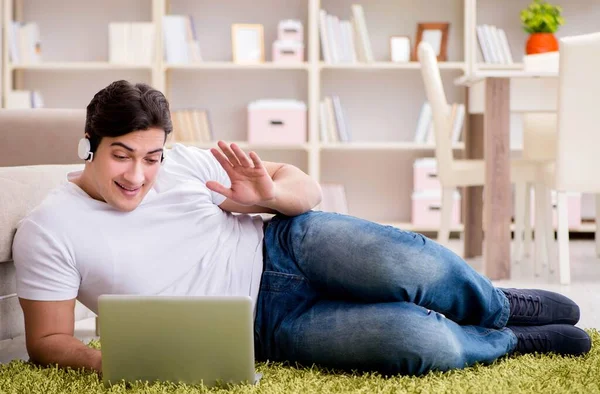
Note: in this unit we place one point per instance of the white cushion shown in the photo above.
(539, 136)
(21, 190)
(577, 148)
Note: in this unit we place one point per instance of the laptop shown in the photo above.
(188, 339)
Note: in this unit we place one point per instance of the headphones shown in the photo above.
(84, 151)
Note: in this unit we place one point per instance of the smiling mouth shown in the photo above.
(127, 188)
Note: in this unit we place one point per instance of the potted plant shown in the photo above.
(541, 20)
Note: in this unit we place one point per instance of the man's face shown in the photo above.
(124, 168)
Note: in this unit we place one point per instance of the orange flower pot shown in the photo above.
(540, 43)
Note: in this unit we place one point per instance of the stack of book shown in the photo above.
(180, 40)
(24, 43)
(494, 45)
(131, 43)
(332, 120)
(425, 132)
(345, 41)
(191, 125)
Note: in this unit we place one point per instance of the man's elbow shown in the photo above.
(38, 349)
(317, 195)
(314, 197)
(35, 352)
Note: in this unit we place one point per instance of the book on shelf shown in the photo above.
(425, 118)
(425, 132)
(24, 43)
(345, 41)
(332, 119)
(333, 198)
(131, 43)
(23, 99)
(180, 40)
(362, 34)
(493, 44)
(192, 125)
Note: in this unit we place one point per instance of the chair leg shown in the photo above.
(563, 239)
(549, 231)
(520, 193)
(598, 225)
(446, 215)
(527, 240)
(540, 222)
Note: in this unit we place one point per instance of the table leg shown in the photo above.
(497, 190)
(473, 195)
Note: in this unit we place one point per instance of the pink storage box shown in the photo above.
(277, 122)
(288, 52)
(425, 175)
(573, 209)
(426, 209)
(290, 29)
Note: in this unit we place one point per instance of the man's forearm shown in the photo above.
(296, 192)
(66, 351)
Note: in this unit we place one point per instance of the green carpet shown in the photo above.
(517, 374)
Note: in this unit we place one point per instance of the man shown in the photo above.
(329, 289)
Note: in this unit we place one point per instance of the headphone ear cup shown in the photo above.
(83, 149)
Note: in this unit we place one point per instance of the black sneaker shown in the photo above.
(563, 339)
(539, 307)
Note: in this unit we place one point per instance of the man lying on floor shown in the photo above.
(327, 288)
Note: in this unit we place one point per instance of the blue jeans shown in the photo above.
(346, 293)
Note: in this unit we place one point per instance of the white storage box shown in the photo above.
(285, 51)
(277, 122)
(427, 208)
(290, 29)
(425, 175)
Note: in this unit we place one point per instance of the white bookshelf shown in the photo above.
(381, 146)
(77, 66)
(246, 146)
(390, 66)
(234, 66)
(513, 66)
(381, 99)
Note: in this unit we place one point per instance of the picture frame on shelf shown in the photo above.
(400, 51)
(436, 34)
(247, 43)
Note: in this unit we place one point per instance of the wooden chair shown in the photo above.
(453, 173)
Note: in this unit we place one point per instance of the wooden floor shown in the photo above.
(584, 289)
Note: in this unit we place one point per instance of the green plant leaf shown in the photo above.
(541, 17)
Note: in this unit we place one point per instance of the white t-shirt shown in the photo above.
(176, 242)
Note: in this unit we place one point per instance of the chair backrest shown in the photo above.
(442, 122)
(578, 144)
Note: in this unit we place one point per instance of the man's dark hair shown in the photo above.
(122, 107)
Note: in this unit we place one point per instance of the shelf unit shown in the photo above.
(381, 99)
(390, 66)
(235, 66)
(74, 66)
